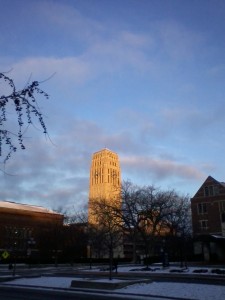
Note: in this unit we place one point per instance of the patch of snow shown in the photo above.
(170, 289)
(60, 282)
(182, 290)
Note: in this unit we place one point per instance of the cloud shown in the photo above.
(160, 168)
(101, 58)
(96, 49)
(68, 20)
(178, 41)
(67, 70)
(109, 86)
(105, 51)
(135, 40)
(51, 175)
(195, 122)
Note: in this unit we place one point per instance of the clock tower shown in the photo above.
(105, 177)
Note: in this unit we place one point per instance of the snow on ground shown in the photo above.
(171, 289)
(182, 290)
(59, 282)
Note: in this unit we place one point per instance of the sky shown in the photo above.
(143, 78)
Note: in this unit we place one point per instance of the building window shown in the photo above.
(203, 224)
(202, 208)
(206, 189)
(222, 210)
(211, 190)
(223, 217)
(222, 206)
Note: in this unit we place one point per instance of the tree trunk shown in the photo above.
(110, 262)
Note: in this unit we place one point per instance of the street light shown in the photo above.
(31, 242)
(15, 243)
(164, 254)
(183, 256)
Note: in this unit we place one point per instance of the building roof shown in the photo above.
(104, 150)
(209, 180)
(26, 207)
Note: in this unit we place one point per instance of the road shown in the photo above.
(8, 293)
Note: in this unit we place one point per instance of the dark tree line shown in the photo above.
(150, 220)
(145, 216)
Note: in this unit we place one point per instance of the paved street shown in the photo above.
(40, 294)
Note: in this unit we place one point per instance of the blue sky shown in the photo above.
(143, 78)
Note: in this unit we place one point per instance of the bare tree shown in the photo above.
(179, 224)
(146, 219)
(96, 242)
(179, 216)
(150, 215)
(108, 224)
(80, 217)
(24, 103)
(142, 214)
(129, 214)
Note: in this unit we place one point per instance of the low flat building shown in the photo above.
(28, 229)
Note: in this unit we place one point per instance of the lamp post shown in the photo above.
(15, 244)
(31, 242)
(89, 255)
(164, 254)
(183, 256)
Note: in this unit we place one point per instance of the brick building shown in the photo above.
(208, 220)
(27, 230)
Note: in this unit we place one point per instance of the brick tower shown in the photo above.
(105, 177)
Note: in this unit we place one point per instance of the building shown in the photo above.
(28, 230)
(105, 179)
(208, 220)
(208, 208)
(105, 188)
